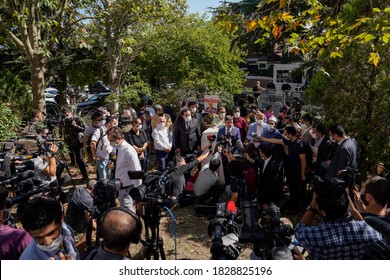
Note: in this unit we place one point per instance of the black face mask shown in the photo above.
(161, 114)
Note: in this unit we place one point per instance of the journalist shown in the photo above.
(338, 236)
(178, 178)
(119, 227)
(126, 159)
(53, 238)
(80, 207)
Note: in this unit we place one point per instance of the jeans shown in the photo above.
(144, 163)
(161, 157)
(103, 171)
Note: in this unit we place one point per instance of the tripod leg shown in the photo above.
(161, 248)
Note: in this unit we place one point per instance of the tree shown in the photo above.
(193, 54)
(34, 27)
(119, 27)
(347, 44)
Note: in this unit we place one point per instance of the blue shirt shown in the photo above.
(337, 240)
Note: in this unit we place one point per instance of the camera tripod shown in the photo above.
(152, 230)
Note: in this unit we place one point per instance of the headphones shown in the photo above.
(137, 236)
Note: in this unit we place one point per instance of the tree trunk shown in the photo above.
(37, 68)
(114, 83)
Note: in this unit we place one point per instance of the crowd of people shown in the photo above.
(267, 156)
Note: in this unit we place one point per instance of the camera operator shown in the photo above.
(72, 126)
(126, 160)
(53, 239)
(80, 207)
(373, 198)
(337, 236)
(34, 124)
(207, 185)
(13, 241)
(178, 178)
(118, 228)
(101, 148)
(45, 165)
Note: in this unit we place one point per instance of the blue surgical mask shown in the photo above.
(54, 246)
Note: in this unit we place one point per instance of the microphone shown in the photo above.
(240, 146)
(112, 157)
(231, 207)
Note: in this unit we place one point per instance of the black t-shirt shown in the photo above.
(295, 148)
(137, 140)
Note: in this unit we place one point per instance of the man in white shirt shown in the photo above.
(101, 148)
(126, 160)
(162, 137)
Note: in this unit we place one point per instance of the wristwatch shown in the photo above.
(311, 209)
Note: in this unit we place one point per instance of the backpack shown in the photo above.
(88, 145)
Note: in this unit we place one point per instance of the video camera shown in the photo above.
(104, 194)
(45, 145)
(346, 179)
(124, 121)
(223, 230)
(379, 250)
(270, 237)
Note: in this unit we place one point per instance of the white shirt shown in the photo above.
(103, 147)
(266, 161)
(162, 138)
(127, 160)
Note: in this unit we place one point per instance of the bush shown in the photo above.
(10, 122)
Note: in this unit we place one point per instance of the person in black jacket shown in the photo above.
(72, 126)
(269, 177)
(186, 133)
(324, 148)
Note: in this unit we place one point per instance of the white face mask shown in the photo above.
(101, 123)
(161, 125)
(332, 139)
(303, 126)
(237, 114)
(140, 127)
(187, 119)
(222, 115)
(313, 136)
(259, 122)
(54, 246)
(193, 110)
(271, 127)
(114, 144)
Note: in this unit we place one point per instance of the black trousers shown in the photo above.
(76, 155)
